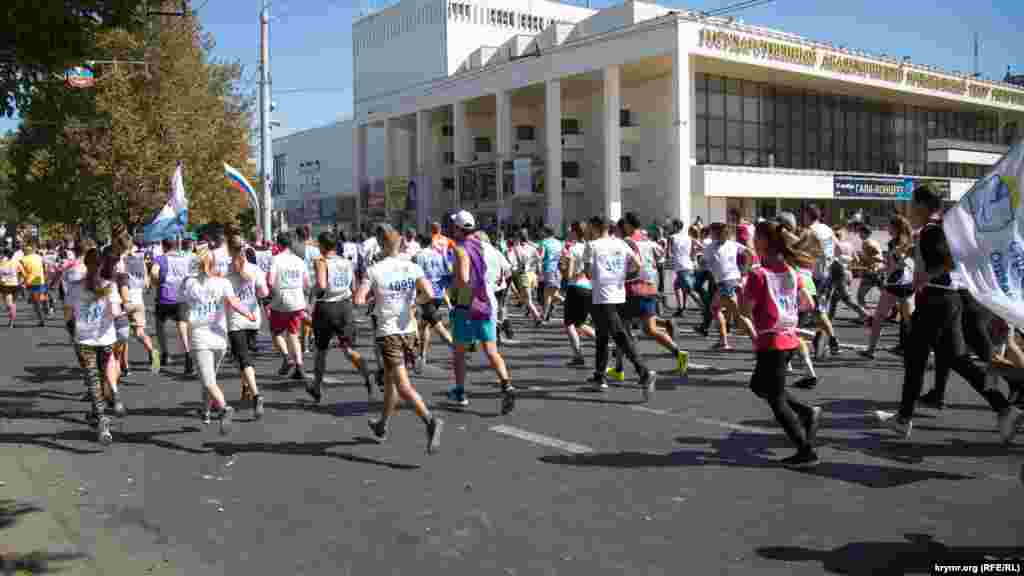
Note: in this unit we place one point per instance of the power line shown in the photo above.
(736, 7)
(304, 90)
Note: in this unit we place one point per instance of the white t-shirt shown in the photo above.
(720, 258)
(264, 258)
(221, 261)
(682, 245)
(312, 253)
(609, 259)
(289, 278)
(393, 281)
(497, 267)
(94, 321)
(135, 268)
(246, 292)
(207, 317)
(827, 241)
(339, 280)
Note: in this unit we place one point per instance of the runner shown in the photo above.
(551, 277)
(721, 259)
(131, 272)
(578, 294)
(170, 269)
(396, 284)
(825, 250)
(841, 278)
(33, 274)
(288, 281)
(333, 315)
(94, 305)
(474, 314)
(607, 261)
(898, 285)
(9, 284)
(207, 297)
(774, 294)
(309, 253)
(680, 253)
(525, 262)
(249, 284)
(437, 266)
(869, 264)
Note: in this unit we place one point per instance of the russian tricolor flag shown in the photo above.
(239, 182)
(173, 218)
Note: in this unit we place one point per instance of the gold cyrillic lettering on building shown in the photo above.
(956, 86)
(757, 48)
(1007, 97)
(854, 67)
(978, 91)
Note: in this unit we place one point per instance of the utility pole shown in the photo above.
(266, 150)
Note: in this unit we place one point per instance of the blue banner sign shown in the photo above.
(884, 187)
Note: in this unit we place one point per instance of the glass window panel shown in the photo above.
(702, 132)
(751, 102)
(767, 137)
(716, 104)
(767, 104)
(734, 106)
(750, 135)
(717, 155)
(701, 81)
(734, 134)
(734, 156)
(732, 86)
(751, 158)
(702, 103)
(716, 132)
(702, 155)
(716, 84)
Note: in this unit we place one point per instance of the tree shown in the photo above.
(106, 155)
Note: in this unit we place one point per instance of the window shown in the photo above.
(570, 169)
(570, 126)
(279, 185)
(625, 118)
(447, 131)
(625, 163)
(482, 145)
(524, 133)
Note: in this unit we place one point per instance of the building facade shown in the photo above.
(544, 111)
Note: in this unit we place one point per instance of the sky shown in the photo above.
(311, 47)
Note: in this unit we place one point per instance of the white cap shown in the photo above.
(464, 220)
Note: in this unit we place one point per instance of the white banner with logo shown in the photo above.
(985, 231)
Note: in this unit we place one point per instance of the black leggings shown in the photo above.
(608, 325)
(769, 384)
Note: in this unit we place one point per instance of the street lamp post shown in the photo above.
(266, 150)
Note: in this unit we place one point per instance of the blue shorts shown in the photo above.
(40, 289)
(467, 331)
(641, 307)
(727, 288)
(684, 280)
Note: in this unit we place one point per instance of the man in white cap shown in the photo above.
(474, 309)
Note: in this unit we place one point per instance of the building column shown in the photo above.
(390, 160)
(681, 158)
(422, 172)
(460, 149)
(553, 152)
(612, 104)
(359, 140)
(503, 144)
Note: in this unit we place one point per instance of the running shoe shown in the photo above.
(313, 389)
(227, 418)
(207, 416)
(617, 375)
(299, 375)
(257, 407)
(682, 361)
(577, 362)
(508, 399)
(379, 429)
(816, 346)
(869, 354)
(126, 371)
(833, 346)
(286, 367)
(597, 383)
(189, 368)
(811, 425)
(457, 397)
(419, 365)
(678, 314)
(801, 460)
(932, 400)
(154, 361)
(164, 359)
(117, 407)
(894, 422)
(103, 435)
(647, 383)
(434, 434)
(807, 383)
(1007, 421)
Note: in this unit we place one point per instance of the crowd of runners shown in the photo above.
(778, 282)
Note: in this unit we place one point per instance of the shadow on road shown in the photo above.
(306, 449)
(915, 556)
(35, 562)
(43, 374)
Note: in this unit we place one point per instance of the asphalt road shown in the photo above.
(572, 482)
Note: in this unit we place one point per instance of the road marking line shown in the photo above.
(708, 421)
(543, 440)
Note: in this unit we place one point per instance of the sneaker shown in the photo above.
(597, 383)
(682, 362)
(421, 362)
(154, 362)
(164, 360)
(508, 399)
(806, 383)
(457, 397)
(577, 362)
(931, 400)
(434, 434)
(801, 460)
(379, 428)
(286, 367)
(189, 369)
(789, 368)
(257, 407)
(833, 346)
(1007, 422)
(125, 372)
(678, 314)
(811, 426)
(701, 331)
(313, 389)
(894, 422)
(117, 407)
(207, 416)
(103, 435)
(299, 375)
(647, 384)
(227, 418)
(816, 346)
(615, 375)
(510, 342)
(869, 354)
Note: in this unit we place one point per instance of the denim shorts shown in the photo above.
(684, 280)
(728, 288)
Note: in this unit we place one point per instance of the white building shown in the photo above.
(515, 108)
